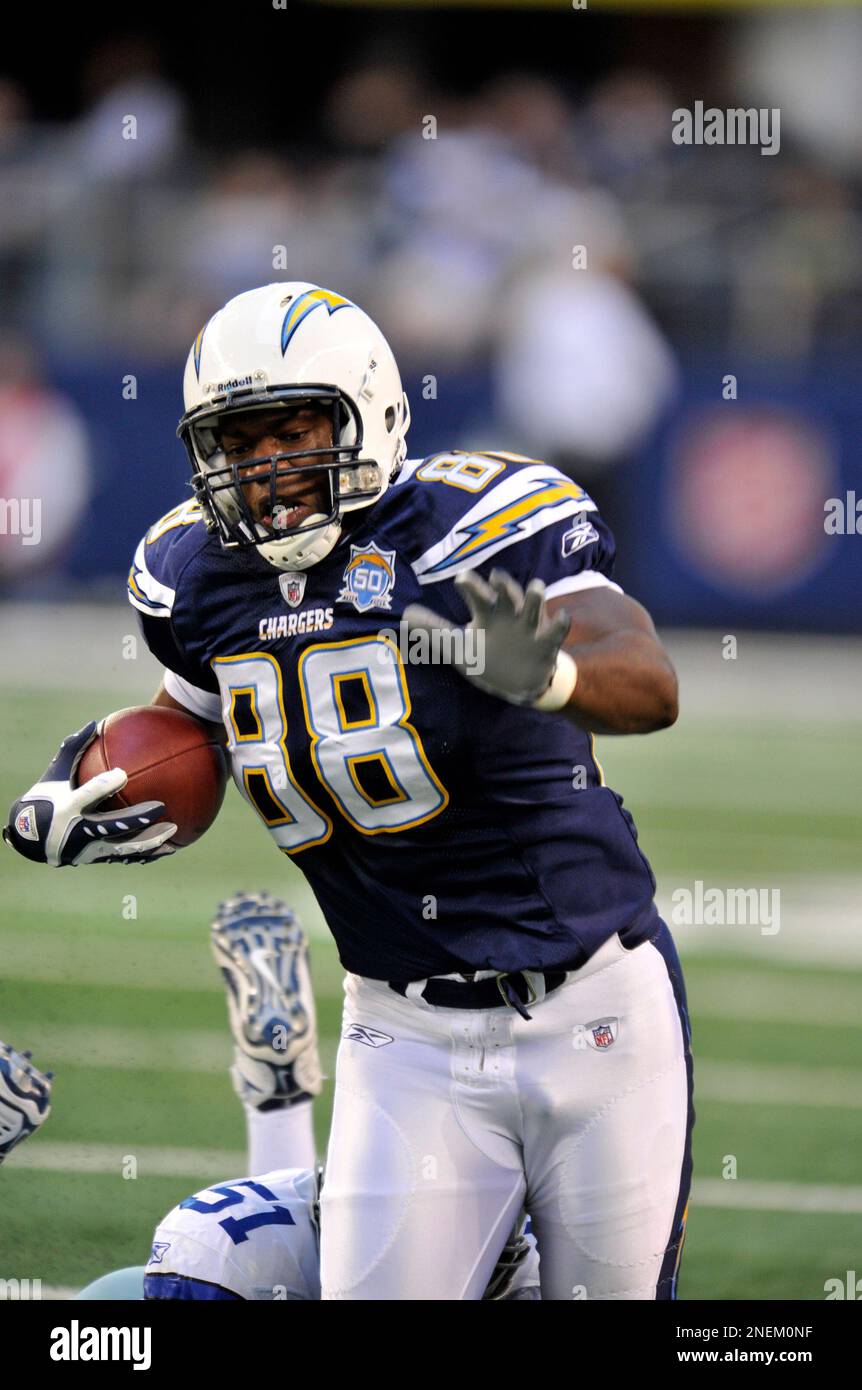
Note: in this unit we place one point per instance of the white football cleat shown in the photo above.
(262, 952)
(25, 1098)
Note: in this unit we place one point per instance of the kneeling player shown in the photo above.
(257, 1238)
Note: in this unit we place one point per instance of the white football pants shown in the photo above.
(448, 1122)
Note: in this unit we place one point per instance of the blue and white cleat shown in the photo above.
(262, 952)
(25, 1098)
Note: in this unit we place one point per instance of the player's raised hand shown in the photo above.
(25, 1098)
(56, 823)
(518, 653)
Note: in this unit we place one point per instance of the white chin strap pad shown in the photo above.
(302, 551)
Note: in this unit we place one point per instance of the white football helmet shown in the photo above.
(282, 345)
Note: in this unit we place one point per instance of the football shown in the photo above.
(169, 757)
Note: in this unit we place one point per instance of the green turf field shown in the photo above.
(130, 1014)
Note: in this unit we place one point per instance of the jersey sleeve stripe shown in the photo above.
(518, 507)
(587, 579)
(202, 703)
(186, 1287)
(145, 591)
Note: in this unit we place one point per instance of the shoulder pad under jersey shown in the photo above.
(161, 557)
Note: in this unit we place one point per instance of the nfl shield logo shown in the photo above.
(25, 824)
(369, 578)
(292, 587)
(603, 1032)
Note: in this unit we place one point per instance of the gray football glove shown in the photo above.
(517, 642)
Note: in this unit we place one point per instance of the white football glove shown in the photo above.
(522, 661)
(55, 823)
(25, 1098)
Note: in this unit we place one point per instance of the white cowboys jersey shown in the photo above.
(258, 1239)
(251, 1238)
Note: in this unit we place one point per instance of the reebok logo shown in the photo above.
(357, 1032)
(580, 535)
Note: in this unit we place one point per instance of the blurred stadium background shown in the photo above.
(441, 167)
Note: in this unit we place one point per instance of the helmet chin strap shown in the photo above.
(301, 551)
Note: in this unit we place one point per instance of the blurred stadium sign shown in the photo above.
(721, 519)
(745, 497)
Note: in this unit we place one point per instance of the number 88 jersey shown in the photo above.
(441, 829)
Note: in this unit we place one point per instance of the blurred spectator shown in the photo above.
(808, 64)
(582, 372)
(103, 178)
(15, 124)
(224, 240)
(534, 116)
(427, 205)
(627, 123)
(469, 209)
(799, 270)
(19, 210)
(373, 104)
(123, 81)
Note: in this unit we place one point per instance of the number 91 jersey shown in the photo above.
(441, 829)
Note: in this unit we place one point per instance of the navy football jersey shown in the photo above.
(441, 829)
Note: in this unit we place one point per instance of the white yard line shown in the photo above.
(205, 1051)
(128, 1049)
(819, 921)
(127, 962)
(203, 1165)
(198, 1165)
(148, 931)
(738, 1083)
(820, 924)
(773, 998)
(77, 646)
(794, 1197)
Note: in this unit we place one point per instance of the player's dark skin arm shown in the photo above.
(626, 681)
(217, 731)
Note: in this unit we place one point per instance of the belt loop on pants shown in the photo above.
(513, 989)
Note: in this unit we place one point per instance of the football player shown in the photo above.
(258, 1238)
(409, 659)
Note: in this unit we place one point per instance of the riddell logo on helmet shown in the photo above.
(215, 388)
